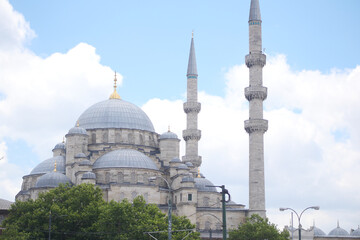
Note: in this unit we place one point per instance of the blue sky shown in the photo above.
(58, 59)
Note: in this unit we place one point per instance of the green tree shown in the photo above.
(127, 221)
(257, 228)
(79, 212)
(72, 211)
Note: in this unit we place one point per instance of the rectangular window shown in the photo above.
(189, 197)
(180, 197)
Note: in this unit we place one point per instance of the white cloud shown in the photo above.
(311, 149)
(14, 30)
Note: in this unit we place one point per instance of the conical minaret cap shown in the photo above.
(254, 11)
(192, 70)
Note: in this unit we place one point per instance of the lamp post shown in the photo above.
(299, 216)
(169, 203)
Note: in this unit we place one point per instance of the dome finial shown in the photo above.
(115, 95)
(63, 140)
(55, 166)
(169, 128)
(77, 123)
(198, 175)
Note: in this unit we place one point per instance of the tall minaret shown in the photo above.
(256, 126)
(192, 107)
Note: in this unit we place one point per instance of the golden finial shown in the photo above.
(198, 175)
(55, 166)
(77, 123)
(115, 95)
(169, 128)
(63, 139)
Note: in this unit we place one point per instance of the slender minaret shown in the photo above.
(192, 107)
(256, 126)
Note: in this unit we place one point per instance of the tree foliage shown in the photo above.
(80, 212)
(257, 228)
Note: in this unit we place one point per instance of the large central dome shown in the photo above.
(115, 113)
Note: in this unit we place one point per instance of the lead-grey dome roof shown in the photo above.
(48, 165)
(202, 183)
(115, 113)
(59, 146)
(318, 232)
(338, 232)
(80, 155)
(88, 175)
(124, 158)
(77, 130)
(182, 166)
(356, 233)
(168, 135)
(5, 204)
(52, 179)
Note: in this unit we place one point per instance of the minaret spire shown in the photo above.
(256, 126)
(192, 107)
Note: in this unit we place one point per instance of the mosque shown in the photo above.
(114, 146)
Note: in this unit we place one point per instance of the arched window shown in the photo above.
(120, 177)
(206, 201)
(107, 177)
(133, 177)
(117, 137)
(105, 137)
(93, 138)
(141, 139)
(131, 138)
(207, 225)
(133, 195)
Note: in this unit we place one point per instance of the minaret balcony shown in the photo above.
(255, 59)
(192, 107)
(256, 92)
(256, 125)
(191, 134)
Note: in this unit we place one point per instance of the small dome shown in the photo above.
(338, 232)
(187, 179)
(77, 130)
(115, 113)
(48, 166)
(52, 180)
(80, 155)
(59, 146)
(356, 233)
(182, 166)
(125, 158)
(202, 183)
(189, 164)
(88, 175)
(175, 160)
(85, 163)
(5, 204)
(318, 232)
(168, 135)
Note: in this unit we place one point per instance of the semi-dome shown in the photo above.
(202, 185)
(5, 204)
(88, 175)
(48, 165)
(52, 180)
(187, 179)
(80, 155)
(182, 166)
(168, 135)
(338, 232)
(189, 164)
(85, 162)
(115, 113)
(175, 160)
(124, 158)
(318, 232)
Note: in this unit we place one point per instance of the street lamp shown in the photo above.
(299, 217)
(151, 179)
